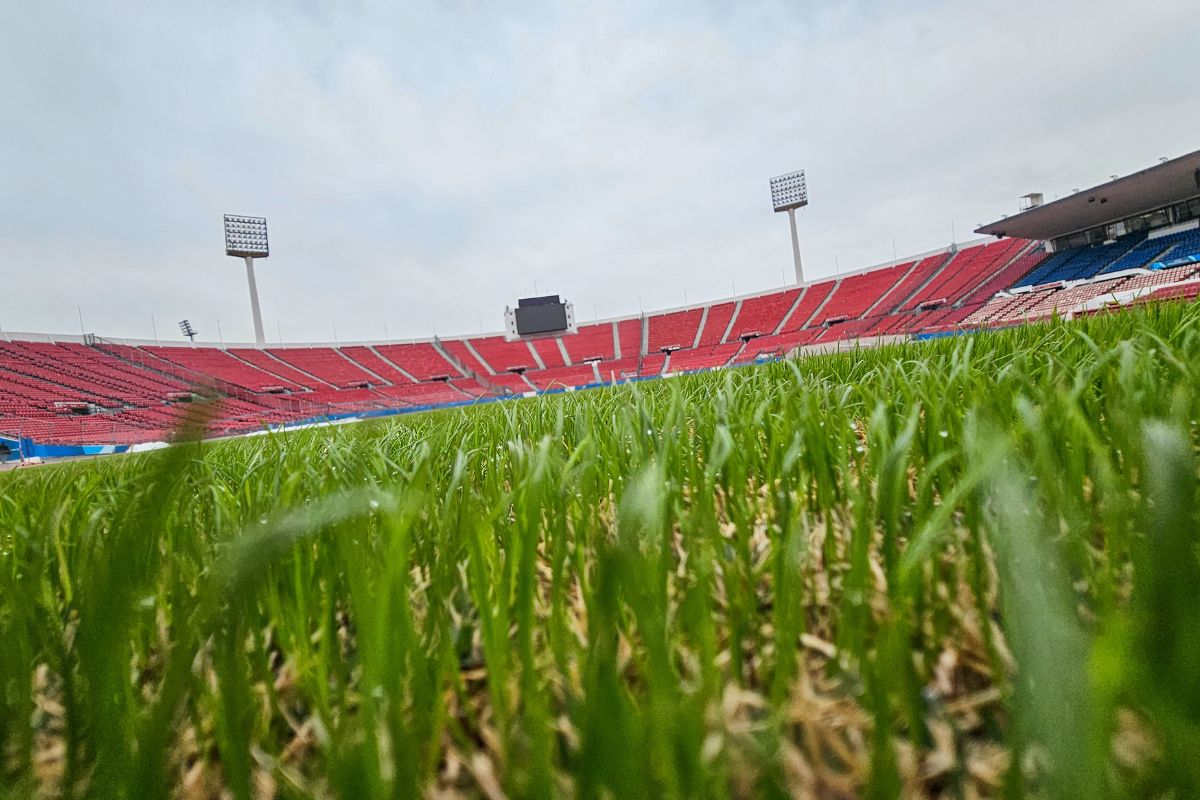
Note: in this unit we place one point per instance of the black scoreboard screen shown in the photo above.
(541, 315)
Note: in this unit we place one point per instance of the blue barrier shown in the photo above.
(1176, 262)
(17, 449)
(10, 449)
(921, 337)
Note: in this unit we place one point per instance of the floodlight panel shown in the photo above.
(789, 191)
(246, 236)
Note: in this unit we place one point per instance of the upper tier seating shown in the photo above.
(1083, 262)
(419, 359)
(716, 322)
(548, 352)
(857, 293)
(1133, 251)
(814, 298)
(504, 356)
(915, 276)
(590, 343)
(1186, 244)
(966, 269)
(219, 364)
(760, 316)
(265, 362)
(1144, 253)
(95, 377)
(326, 364)
(1006, 277)
(458, 350)
(369, 359)
(674, 330)
(629, 335)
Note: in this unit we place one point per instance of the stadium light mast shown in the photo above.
(788, 193)
(246, 237)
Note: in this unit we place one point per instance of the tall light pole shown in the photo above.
(788, 193)
(246, 237)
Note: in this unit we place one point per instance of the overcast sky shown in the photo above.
(423, 164)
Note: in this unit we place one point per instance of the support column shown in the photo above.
(259, 338)
(795, 246)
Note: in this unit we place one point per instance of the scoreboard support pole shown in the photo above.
(791, 212)
(260, 339)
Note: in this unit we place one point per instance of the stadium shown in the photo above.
(1131, 240)
(926, 527)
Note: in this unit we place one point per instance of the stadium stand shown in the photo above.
(506, 382)
(549, 352)
(434, 392)
(1006, 277)
(1179, 291)
(914, 277)
(265, 362)
(675, 330)
(715, 323)
(370, 360)
(762, 315)
(704, 357)
(590, 343)
(965, 269)
(326, 364)
(629, 334)
(652, 364)
(618, 369)
(504, 356)
(562, 377)
(1130, 252)
(459, 351)
(1145, 252)
(118, 393)
(468, 386)
(811, 302)
(857, 293)
(218, 364)
(419, 359)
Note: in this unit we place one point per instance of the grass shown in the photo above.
(961, 568)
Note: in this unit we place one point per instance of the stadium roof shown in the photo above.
(1161, 185)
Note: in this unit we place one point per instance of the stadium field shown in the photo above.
(957, 568)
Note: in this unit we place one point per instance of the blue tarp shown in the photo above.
(1176, 262)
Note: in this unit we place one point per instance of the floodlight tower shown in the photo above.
(788, 193)
(185, 327)
(246, 237)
